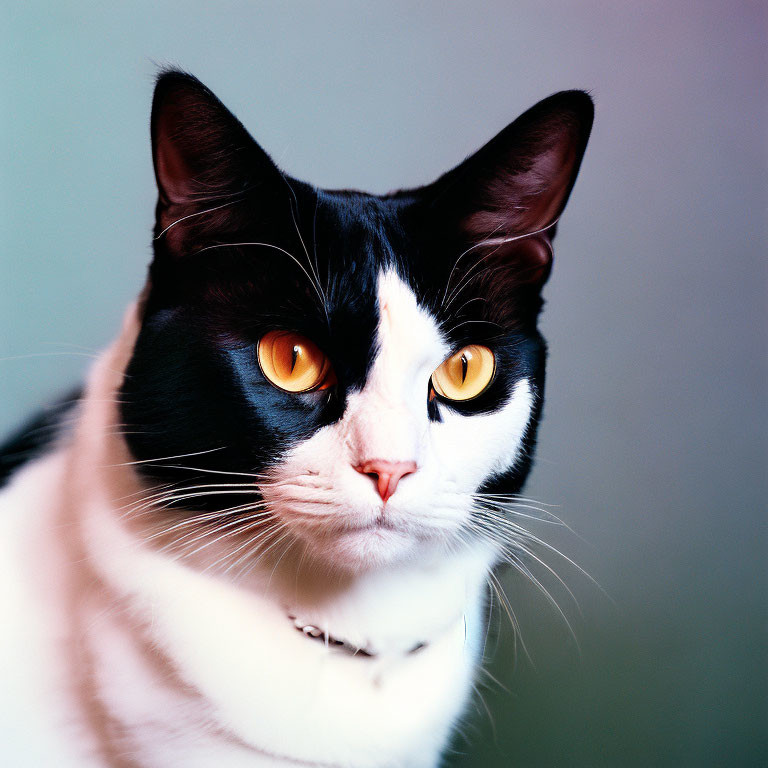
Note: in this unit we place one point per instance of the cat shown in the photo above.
(262, 533)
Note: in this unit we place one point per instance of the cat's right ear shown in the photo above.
(506, 199)
(203, 156)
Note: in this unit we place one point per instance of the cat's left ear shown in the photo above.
(202, 154)
(506, 199)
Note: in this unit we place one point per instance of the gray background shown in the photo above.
(654, 439)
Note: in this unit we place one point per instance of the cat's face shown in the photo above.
(364, 366)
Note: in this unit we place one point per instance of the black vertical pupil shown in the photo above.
(294, 356)
(464, 367)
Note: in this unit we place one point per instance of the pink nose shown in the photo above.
(387, 474)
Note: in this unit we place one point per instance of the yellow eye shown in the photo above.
(466, 374)
(294, 363)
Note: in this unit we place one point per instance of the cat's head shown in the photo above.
(356, 375)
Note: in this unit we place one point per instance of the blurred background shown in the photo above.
(653, 446)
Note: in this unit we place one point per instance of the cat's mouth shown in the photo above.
(381, 523)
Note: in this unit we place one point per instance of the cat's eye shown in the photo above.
(293, 363)
(466, 374)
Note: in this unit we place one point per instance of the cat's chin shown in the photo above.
(363, 549)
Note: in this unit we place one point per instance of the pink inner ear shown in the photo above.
(175, 152)
(528, 201)
(555, 171)
(173, 174)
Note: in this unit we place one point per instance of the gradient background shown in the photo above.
(654, 439)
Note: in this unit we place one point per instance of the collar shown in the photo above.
(316, 633)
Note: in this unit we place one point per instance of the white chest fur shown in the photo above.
(266, 685)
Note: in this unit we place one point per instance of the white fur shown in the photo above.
(253, 691)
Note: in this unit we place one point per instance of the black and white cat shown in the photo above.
(266, 538)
